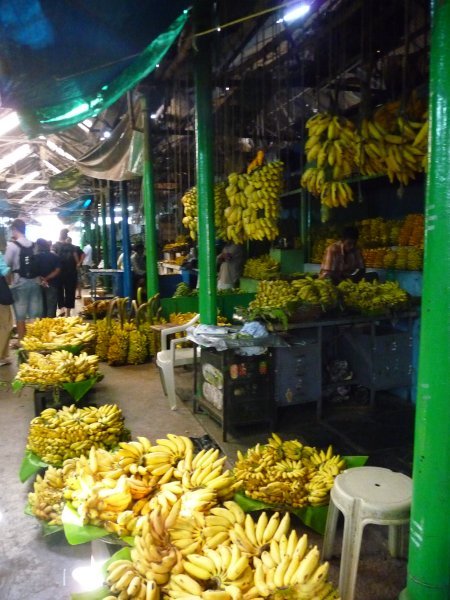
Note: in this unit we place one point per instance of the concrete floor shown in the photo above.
(36, 568)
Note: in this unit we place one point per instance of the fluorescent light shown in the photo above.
(8, 123)
(51, 167)
(83, 127)
(59, 150)
(88, 122)
(296, 13)
(39, 189)
(16, 186)
(14, 156)
(107, 134)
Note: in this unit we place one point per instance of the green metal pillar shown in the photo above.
(104, 229)
(429, 547)
(205, 168)
(148, 195)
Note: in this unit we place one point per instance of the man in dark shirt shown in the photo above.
(68, 276)
(343, 260)
(47, 267)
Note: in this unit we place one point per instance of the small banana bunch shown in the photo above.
(57, 368)
(56, 435)
(47, 498)
(262, 267)
(53, 333)
(289, 570)
(273, 294)
(190, 219)
(316, 291)
(253, 208)
(373, 298)
(285, 472)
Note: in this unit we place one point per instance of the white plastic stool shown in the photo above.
(366, 495)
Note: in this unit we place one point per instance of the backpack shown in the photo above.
(65, 252)
(26, 260)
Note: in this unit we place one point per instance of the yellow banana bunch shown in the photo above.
(316, 291)
(57, 368)
(47, 498)
(56, 435)
(190, 219)
(370, 148)
(262, 267)
(53, 333)
(276, 294)
(373, 298)
(124, 579)
(288, 567)
(253, 208)
(282, 472)
(252, 538)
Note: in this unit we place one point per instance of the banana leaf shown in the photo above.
(31, 464)
(122, 554)
(314, 517)
(78, 389)
(77, 533)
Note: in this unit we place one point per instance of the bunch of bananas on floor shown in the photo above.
(57, 368)
(50, 334)
(190, 219)
(262, 267)
(373, 298)
(56, 435)
(254, 203)
(316, 291)
(274, 294)
(47, 498)
(96, 309)
(118, 490)
(288, 473)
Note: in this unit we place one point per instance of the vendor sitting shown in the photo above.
(343, 260)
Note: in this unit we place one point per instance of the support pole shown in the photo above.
(429, 546)
(205, 168)
(112, 227)
(126, 244)
(97, 236)
(148, 195)
(104, 229)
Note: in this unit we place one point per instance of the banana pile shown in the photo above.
(54, 333)
(56, 435)
(378, 232)
(190, 219)
(57, 368)
(47, 498)
(254, 203)
(262, 267)
(316, 291)
(274, 294)
(117, 490)
(407, 258)
(412, 231)
(373, 298)
(288, 473)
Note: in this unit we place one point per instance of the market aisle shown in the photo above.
(36, 568)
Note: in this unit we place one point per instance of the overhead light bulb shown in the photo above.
(296, 13)
(8, 123)
(18, 154)
(16, 186)
(38, 190)
(106, 134)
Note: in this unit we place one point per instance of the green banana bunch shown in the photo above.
(373, 298)
(262, 267)
(316, 291)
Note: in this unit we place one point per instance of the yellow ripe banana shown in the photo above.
(215, 595)
(216, 540)
(188, 584)
(267, 560)
(307, 566)
(292, 568)
(282, 527)
(250, 530)
(152, 591)
(292, 543)
(134, 586)
(272, 527)
(275, 551)
(278, 577)
(237, 568)
(260, 528)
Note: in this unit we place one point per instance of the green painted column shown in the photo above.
(148, 195)
(205, 168)
(104, 229)
(429, 547)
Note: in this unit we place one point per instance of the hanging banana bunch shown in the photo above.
(190, 219)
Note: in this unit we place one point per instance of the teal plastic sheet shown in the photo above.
(314, 517)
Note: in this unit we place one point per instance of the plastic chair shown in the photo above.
(366, 495)
(170, 357)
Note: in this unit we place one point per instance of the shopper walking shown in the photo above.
(47, 267)
(25, 289)
(6, 322)
(67, 284)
